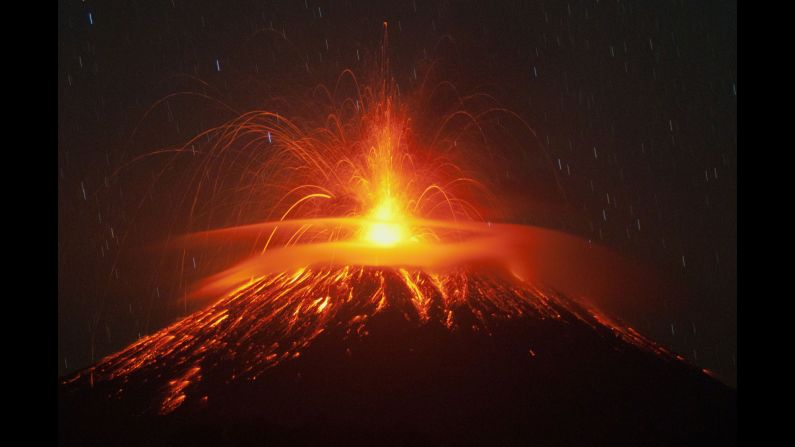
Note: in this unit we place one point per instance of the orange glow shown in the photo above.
(387, 226)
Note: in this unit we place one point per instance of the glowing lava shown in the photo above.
(373, 237)
(275, 318)
(370, 218)
(386, 227)
(386, 224)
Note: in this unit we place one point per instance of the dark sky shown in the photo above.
(636, 102)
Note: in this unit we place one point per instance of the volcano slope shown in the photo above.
(377, 356)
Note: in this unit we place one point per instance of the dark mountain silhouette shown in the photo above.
(391, 357)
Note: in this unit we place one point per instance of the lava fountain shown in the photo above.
(367, 221)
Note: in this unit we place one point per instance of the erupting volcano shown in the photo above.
(387, 300)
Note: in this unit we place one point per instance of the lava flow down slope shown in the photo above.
(387, 302)
(373, 355)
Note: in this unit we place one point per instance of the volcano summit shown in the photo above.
(387, 293)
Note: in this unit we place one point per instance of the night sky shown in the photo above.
(635, 101)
